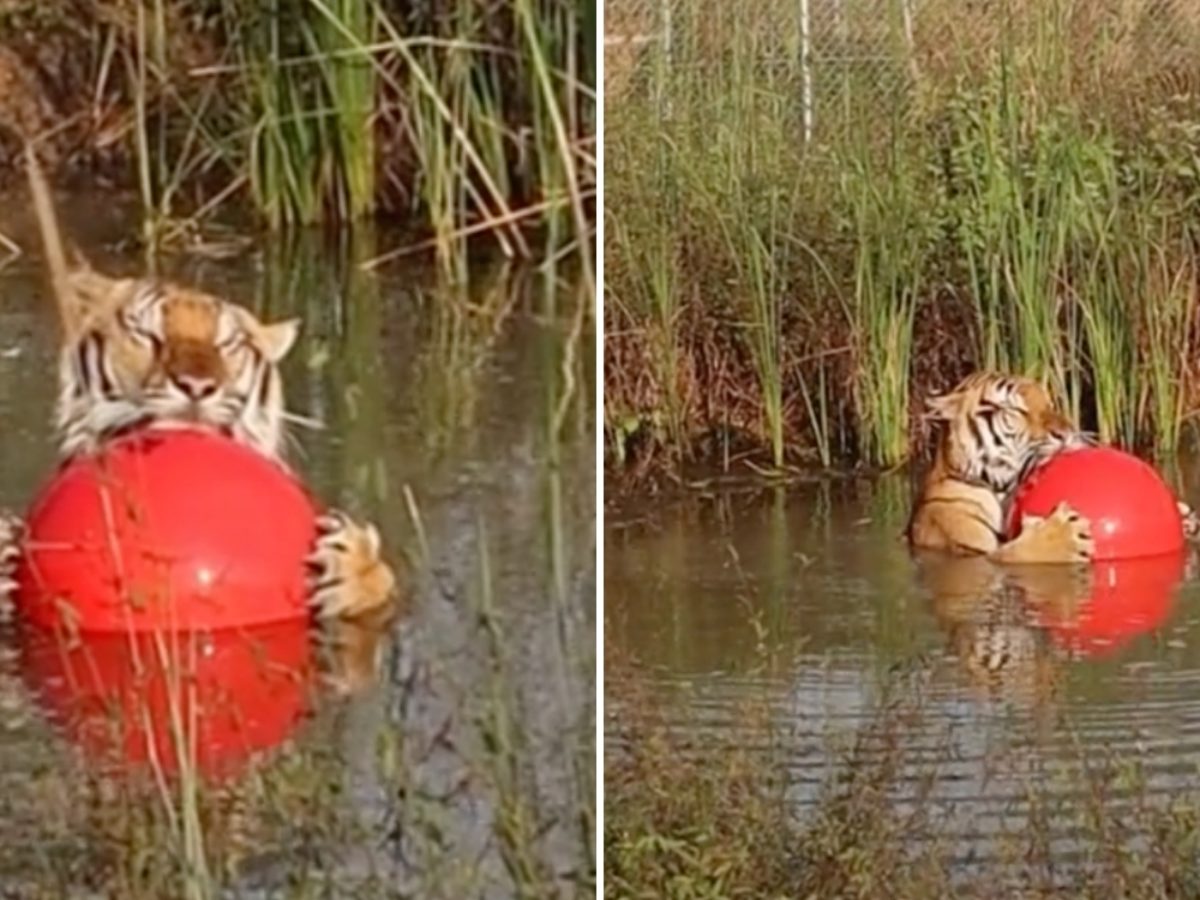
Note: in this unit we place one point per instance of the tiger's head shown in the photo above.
(995, 426)
(148, 352)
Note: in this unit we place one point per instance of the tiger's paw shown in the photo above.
(1071, 531)
(1062, 536)
(355, 650)
(1191, 521)
(347, 578)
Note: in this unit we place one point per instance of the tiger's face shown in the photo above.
(163, 355)
(995, 426)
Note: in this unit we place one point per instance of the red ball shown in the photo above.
(175, 529)
(212, 700)
(1131, 510)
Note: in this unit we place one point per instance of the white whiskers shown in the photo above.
(303, 421)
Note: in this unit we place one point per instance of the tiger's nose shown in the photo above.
(196, 387)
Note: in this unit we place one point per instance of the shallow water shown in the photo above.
(806, 602)
(466, 770)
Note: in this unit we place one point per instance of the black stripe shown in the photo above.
(265, 373)
(96, 343)
(973, 425)
(79, 368)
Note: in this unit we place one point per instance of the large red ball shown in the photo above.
(1131, 510)
(175, 529)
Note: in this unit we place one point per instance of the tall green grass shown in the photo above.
(754, 245)
(474, 120)
(310, 90)
(1015, 206)
(888, 223)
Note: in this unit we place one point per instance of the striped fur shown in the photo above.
(992, 617)
(139, 352)
(148, 353)
(993, 428)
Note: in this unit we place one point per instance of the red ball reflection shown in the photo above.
(1128, 597)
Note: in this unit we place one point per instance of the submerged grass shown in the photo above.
(796, 251)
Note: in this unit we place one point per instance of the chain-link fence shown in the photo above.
(833, 55)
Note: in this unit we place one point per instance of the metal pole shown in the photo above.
(910, 45)
(806, 92)
(666, 66)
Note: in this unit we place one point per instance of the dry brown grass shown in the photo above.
(628, 27)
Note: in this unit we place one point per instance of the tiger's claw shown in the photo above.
(347, 577)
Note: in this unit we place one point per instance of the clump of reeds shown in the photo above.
(475, 118)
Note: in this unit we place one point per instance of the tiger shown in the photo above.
(994, 429)
(147, 353)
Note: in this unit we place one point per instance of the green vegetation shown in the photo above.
(473, 117)
(1018, 190)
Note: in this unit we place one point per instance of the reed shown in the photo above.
(890, 229)
(753, 243)
(1169, 303)
(695, 812)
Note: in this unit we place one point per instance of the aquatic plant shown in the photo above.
(721, 819)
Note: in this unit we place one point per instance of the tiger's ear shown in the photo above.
(942, 407)
(278, 338)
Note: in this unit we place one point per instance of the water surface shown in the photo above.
(807, 600)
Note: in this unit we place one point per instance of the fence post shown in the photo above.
(667, 66)
(806, 86)
(910, 46)
(841, 30)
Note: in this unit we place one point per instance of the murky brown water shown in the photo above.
(807, 600)
(468, 770)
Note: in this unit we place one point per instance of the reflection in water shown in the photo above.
(989, 615)
(1012, 627)
(461, 423)
(206, 701)
(807, 603)
(1122, 599)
